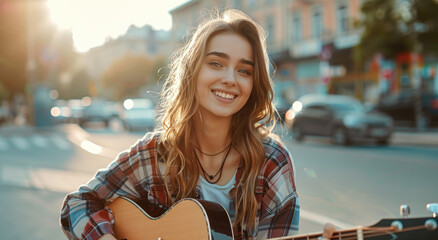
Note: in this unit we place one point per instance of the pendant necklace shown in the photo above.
(209, 177)
(214, 154)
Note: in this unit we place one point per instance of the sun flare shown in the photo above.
(93, 21)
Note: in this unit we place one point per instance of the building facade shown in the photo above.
(137, 40)
(309, 41)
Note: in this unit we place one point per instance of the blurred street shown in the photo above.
(348, 186)
(75, 93)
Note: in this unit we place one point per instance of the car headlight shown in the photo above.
(352, 121)
(290, 114)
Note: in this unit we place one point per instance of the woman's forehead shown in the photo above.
(231, 44)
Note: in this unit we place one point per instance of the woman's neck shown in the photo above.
(212, 134)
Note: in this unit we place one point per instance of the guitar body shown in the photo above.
(187, 219)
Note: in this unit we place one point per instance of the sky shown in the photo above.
(93, 21)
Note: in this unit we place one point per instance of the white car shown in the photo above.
(138, 114)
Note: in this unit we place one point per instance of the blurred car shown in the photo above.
(342, 118)
(97, 111)
(401, 107)
(60, 111)
(76, 109)
(138, 114)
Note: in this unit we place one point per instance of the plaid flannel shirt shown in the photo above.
(134, 174)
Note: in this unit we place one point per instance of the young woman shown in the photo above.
(213, 143)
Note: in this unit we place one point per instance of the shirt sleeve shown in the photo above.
(280, 207)
(83, 214)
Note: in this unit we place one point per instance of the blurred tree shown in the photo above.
(13, 46)
(427, 22)
(4, 93)
(396, 26)
(127, 75)
(76, 87)
(160, 69)
(53, 49)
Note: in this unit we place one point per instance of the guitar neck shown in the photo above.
(419, 228)
(350, 234)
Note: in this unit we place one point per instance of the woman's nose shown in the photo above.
(229, 78)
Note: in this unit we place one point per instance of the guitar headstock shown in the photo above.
(405, 228)
(425, 228)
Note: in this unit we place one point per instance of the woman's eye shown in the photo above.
(215, 64)
(245, 71)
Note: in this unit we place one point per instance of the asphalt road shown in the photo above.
(349, 186)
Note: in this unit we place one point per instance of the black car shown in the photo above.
(401, 107)
(342, 118)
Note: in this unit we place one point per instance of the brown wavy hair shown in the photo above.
(248, 127)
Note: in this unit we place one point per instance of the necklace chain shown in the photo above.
(214, 154)
(209, 177)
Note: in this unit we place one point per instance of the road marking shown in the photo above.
(57, 180)
(39, 141)
(3, 144)
(20, 143)
(61, 143)
(14, 176)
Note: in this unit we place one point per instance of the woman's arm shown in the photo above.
(83, 213)
(280, 206)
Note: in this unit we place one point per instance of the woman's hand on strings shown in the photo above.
(329, 229)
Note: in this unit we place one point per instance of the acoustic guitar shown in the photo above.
(197, 219)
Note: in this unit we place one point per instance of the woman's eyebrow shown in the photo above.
(224, 55)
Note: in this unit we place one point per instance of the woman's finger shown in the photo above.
(329, 229)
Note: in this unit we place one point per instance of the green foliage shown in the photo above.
(393, 26)
(427, 15)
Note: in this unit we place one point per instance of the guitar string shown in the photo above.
(381, 231)
(407, 229)
(353, 233)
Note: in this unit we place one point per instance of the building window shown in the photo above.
(342, 17)
(296, 27)
(270, 28)
(317, 23)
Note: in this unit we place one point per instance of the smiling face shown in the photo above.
(225, 79)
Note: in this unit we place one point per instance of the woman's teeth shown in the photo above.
(224, 95)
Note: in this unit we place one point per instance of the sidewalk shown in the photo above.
(411, 137)
(11, 129)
